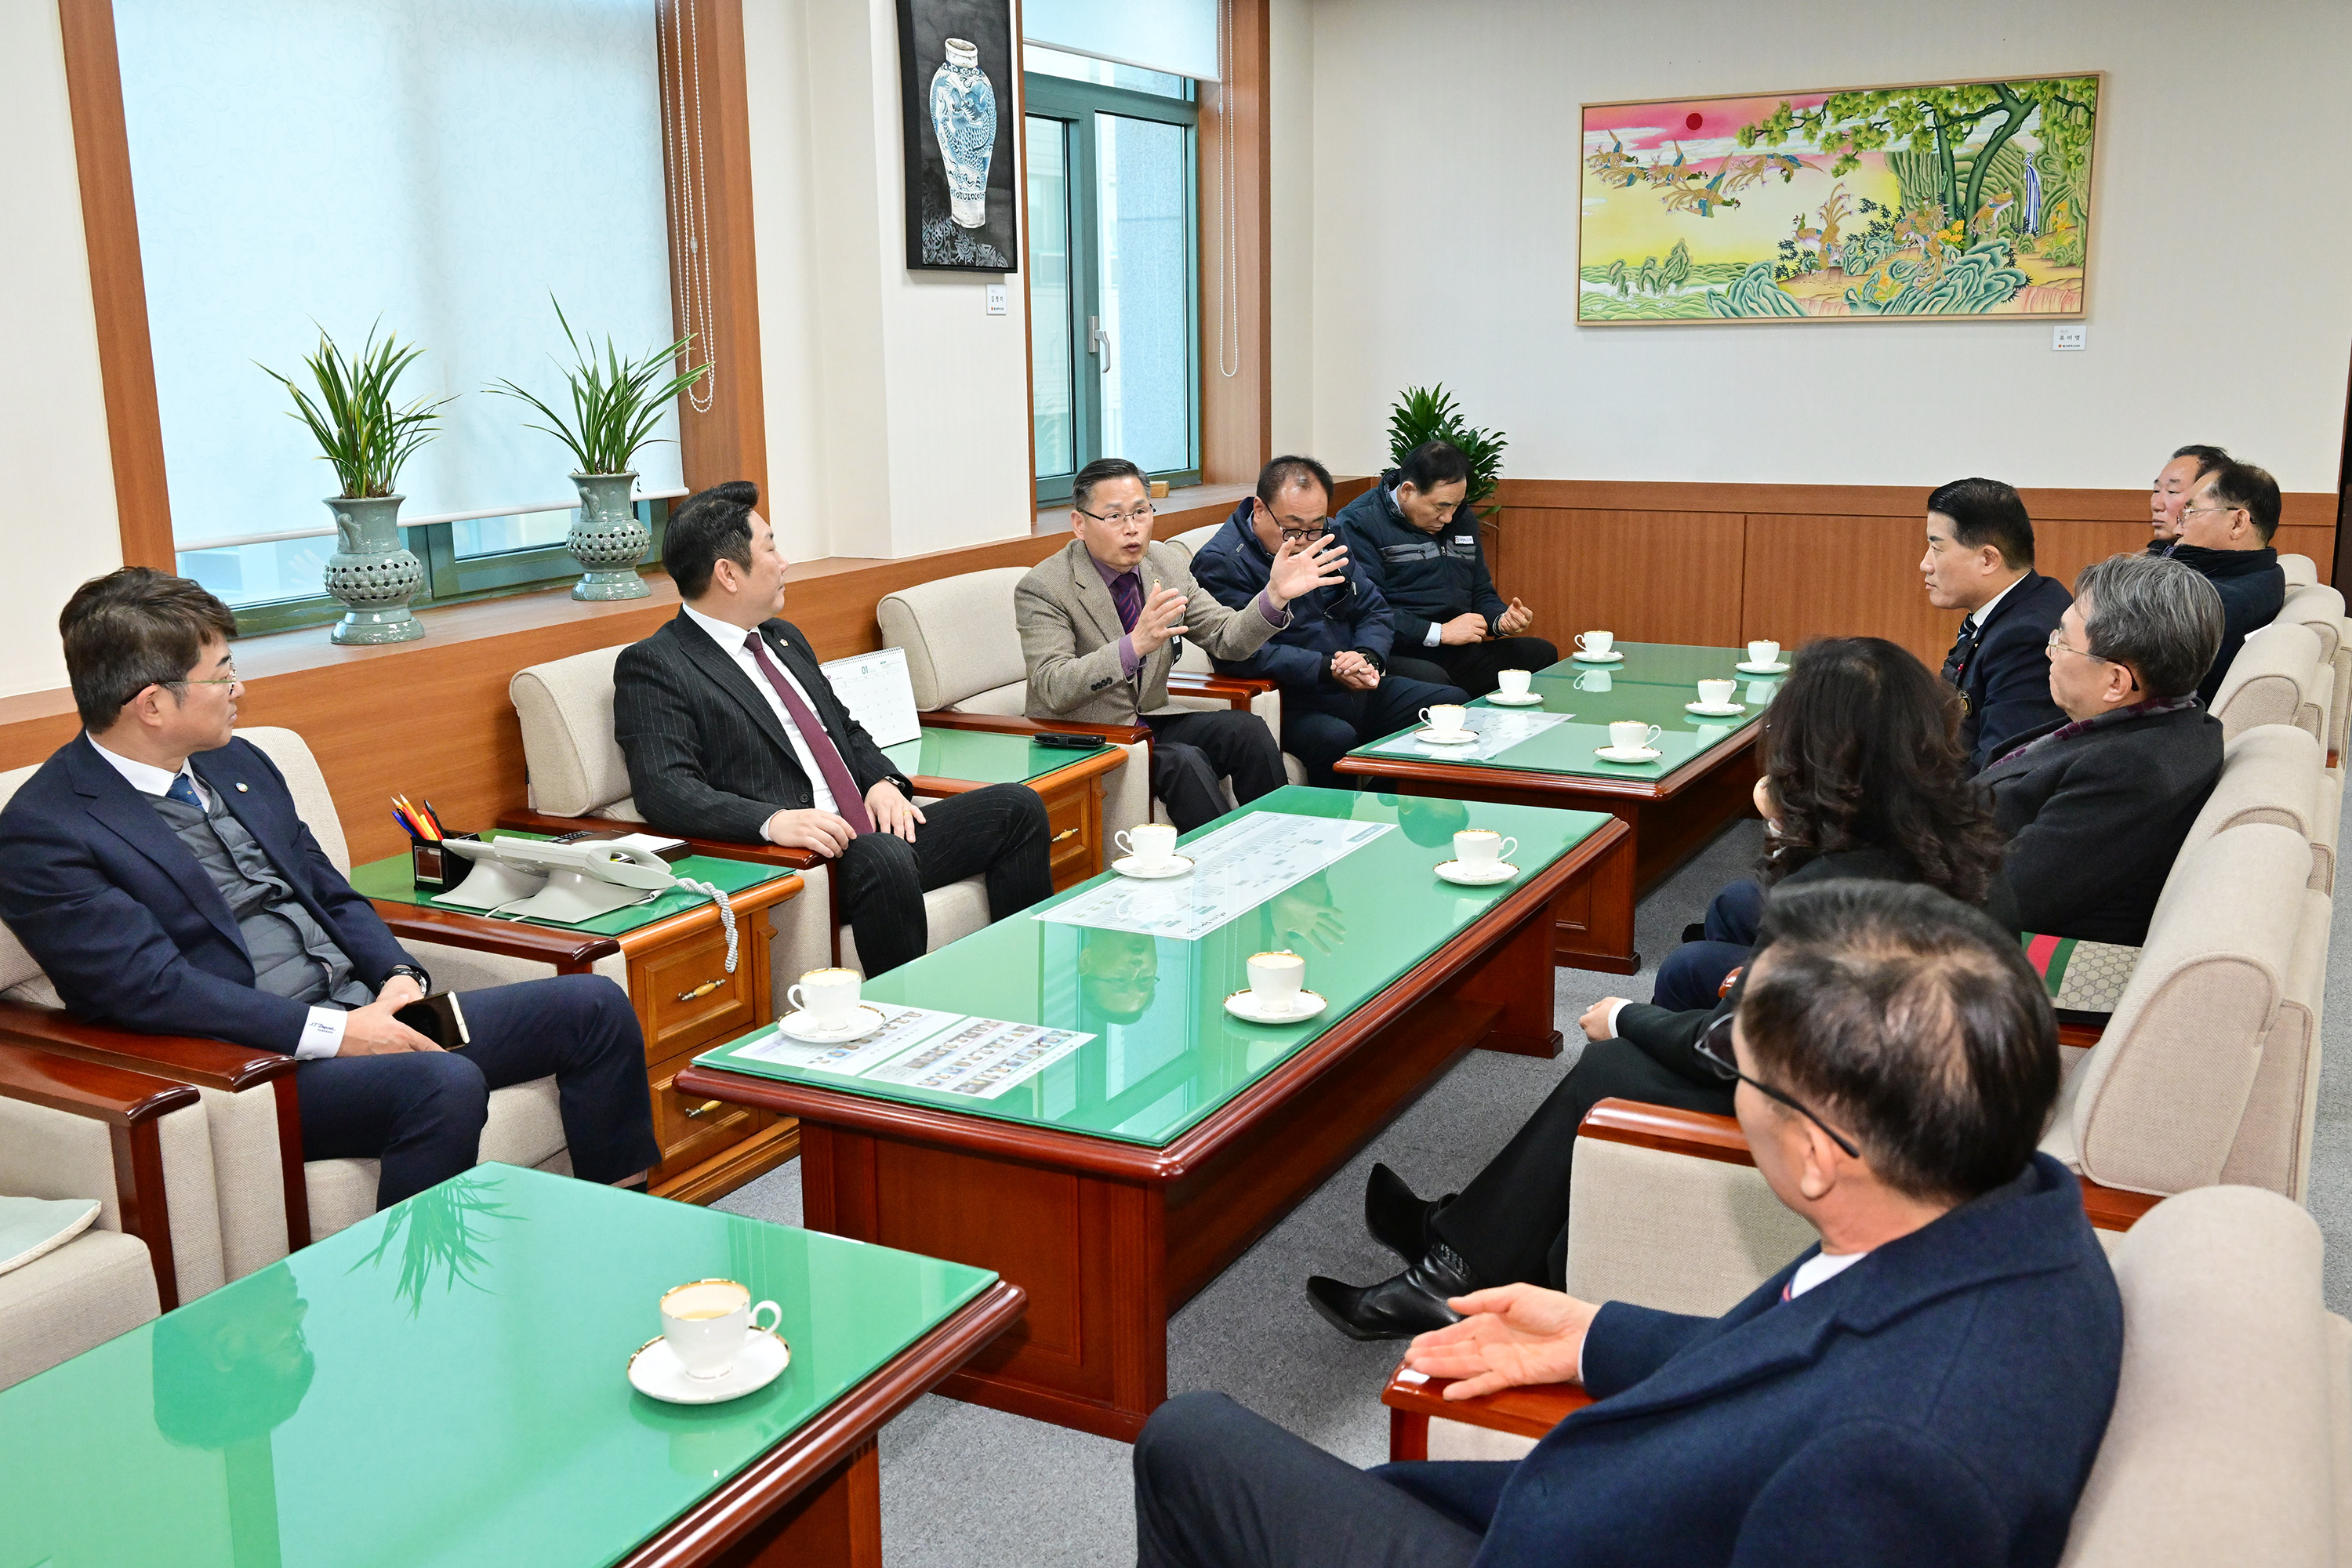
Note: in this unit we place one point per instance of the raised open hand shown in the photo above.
(1303, 568)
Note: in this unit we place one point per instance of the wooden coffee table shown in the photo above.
(1702, 782)
(1118, 1181)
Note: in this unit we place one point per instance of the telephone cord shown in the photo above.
(726, 912)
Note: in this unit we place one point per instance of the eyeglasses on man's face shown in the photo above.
(2058, 640)
(1714, 1050)
(2188, 513)
(1307, 534)
(227, 676)
(1142, 513)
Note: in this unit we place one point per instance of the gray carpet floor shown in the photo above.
(964, 1487)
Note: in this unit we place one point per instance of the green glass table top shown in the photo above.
(981, 756)
(445, 1383)
(393, 879)
(1166, 1053)
(1652, 686)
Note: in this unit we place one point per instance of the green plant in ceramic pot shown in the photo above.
(1428, 414)
(615, 403)
(367, 439)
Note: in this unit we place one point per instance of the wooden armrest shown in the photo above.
(2112, 1208)
(508, 939)
(1414, 1400)
(178, 1058)
(2080, 1036)
(1233, 691)
(716, 849)
(1014, 724)
(116, 1096)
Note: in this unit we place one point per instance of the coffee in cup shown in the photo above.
(828, 995)
(1152, 844)
(1595, 643)
(706, 1322)
(1445, 718)
(1513, 682)
(1275, 977)
(1478, 848)
(1762, 651)
(1717, 693)
(1631, 735)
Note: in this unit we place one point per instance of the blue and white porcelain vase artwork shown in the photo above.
(963, 114)
(607, 539)
(371, 572)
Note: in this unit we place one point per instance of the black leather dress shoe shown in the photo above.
(1413, 1302)
(1397, 1218)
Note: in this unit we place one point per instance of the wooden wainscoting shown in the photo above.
(1723, 564)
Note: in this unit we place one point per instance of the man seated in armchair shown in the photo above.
(1929, 1384)
(157, 870)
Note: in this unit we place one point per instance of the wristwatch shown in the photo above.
(423, 980)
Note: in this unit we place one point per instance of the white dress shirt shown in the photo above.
(322, 1032)
(730, 637)
(1976, 617)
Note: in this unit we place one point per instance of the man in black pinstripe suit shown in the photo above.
(732, 731)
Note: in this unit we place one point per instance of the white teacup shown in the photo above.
(1762, 651)
(1445, 718)
(1478, 848)
(1150, 843)
(1717, 693)
(1275, 977)
(1513, 682)
(1595, 643)
(1631, 735)
(706, 1322)
(1594, 680)
(828, 995)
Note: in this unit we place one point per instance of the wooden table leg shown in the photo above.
(836, 1523)
(1593, 915)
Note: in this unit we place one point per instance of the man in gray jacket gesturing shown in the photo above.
(1098, 628)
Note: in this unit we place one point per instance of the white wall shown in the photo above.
(59, 524)
(1290, 137)
(1444, 171)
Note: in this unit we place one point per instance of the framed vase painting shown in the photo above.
(1959, 200)
(960, 91)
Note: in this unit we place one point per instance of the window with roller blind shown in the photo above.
(1114, 277)
(439, 166)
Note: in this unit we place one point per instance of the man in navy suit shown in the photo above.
(1980, 558)
(1928, 1386)
(157, 870)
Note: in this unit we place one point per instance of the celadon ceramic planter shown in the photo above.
(608, 541)
(370, 572)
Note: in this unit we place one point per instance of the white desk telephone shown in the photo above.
(536, 878)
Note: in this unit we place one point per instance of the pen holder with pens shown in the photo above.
(434, 870)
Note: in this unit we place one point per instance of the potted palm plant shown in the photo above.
(367, 440)
(615, 403)
(1428, 414)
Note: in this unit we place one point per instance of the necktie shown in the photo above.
(1127, 593)
(184, 790)
(846, 800)
(1956, 663)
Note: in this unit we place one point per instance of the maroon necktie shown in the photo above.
(1127, 594)
(848, 803)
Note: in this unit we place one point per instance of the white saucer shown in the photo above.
(801, 1027)
(1612, 657)
(657, 1372)
(1178, 866)
(1455, 871)
(1244, 1005)
(1524, 699)
(1634, 754)
(1716, 709)
(1747, 668)
(1442, 738)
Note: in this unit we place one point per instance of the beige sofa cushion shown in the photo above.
(576, 766)
(2300, 571)
(2270, 773)
(959, 638)
(62, 1303)
(2321, 608)
(2272, 680)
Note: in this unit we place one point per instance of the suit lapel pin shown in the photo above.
(240, 786)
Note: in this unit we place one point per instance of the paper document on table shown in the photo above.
(1497, 732)
(1235, 869)
(901, 1027)
(879, 693)
(982, 1058)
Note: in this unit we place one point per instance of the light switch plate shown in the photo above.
(2068, 336)
(996, 301)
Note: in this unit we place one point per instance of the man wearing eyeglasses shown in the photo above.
(1330, 661)
(1928, 1386)
(2225, 536)
(2098, 804)
(1099, 628)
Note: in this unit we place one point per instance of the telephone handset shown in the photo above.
(540, 879)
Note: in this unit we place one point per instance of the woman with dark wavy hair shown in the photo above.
(1864, 777)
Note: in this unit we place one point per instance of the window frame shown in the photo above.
(1075, 104)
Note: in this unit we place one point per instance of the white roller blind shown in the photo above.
(1176, 35)
(441, 165)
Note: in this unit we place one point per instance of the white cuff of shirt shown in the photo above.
(1620, 1008)
(1429, 637)
(322, 1033)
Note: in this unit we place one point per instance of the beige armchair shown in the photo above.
(2275, 679)
(579, 778)
(2301, 571)
(268, 1199)
(139, 1147)
(2320, 609)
